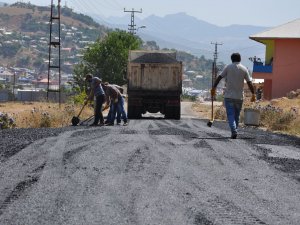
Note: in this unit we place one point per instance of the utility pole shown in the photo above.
(54, 49)
(14, 84)
(214, 66)
(131, 26)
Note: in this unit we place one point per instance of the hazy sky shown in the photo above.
(218, 12)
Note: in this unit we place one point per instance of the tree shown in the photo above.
(80, 70)
(107, 57)
(38, 62)
(9, 50)
(151, 45)
(23, 61)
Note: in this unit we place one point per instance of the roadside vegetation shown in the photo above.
(40, 114)
(278, 115)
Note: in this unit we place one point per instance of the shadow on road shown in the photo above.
(225, 138)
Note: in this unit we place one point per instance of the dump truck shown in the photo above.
(154, 83)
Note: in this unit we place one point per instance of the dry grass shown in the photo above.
(204, 110)
(279, 115)
(37, 114)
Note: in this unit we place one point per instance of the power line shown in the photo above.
(131, 26)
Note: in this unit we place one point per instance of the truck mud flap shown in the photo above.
(134, 108)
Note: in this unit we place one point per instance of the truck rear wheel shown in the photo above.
(172, 112)
(176, 113)
(130, 112)
(134, 112)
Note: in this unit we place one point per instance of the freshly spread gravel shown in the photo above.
(14, 140)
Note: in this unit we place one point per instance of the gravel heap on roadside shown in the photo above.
(14, 140)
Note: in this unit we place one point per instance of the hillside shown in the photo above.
(24, 35)
(17, 14)
(187, 33)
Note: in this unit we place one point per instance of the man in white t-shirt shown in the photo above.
(234, 75)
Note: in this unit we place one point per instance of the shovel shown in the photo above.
(213, 74)
(75, 120)
(209, 123)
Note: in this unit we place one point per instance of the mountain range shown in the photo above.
(187, 33)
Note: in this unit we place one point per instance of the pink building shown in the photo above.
(281, 71)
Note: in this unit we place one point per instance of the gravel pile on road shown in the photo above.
(257, 137)
(14, 140)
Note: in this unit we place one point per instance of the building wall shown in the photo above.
(27, 95)
(267, 89)
(286, 67)
(270, 48)
(4, 96)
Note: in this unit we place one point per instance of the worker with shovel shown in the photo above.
(234, 75)
(98, 92)
(115, 101)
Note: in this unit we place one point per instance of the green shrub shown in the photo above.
(79, 98)
(188, 97)
(6, 121)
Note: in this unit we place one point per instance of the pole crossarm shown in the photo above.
(131, 26)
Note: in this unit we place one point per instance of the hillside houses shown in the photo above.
(26, 30)
(6, 76)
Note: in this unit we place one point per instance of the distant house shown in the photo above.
(43, 83)
(187, 83)
(7, 76)
(281, 71)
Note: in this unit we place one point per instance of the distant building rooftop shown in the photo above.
(289, 30)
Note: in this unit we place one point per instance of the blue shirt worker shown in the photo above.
(234, 75)
(115, 100)
(97, 92)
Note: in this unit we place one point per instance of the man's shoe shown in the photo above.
(119, 123)
(101, 124)
(233, 136)
(93, 125)
(109, 124)
(125, 124)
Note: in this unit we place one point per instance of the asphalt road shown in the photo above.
(153, 171)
